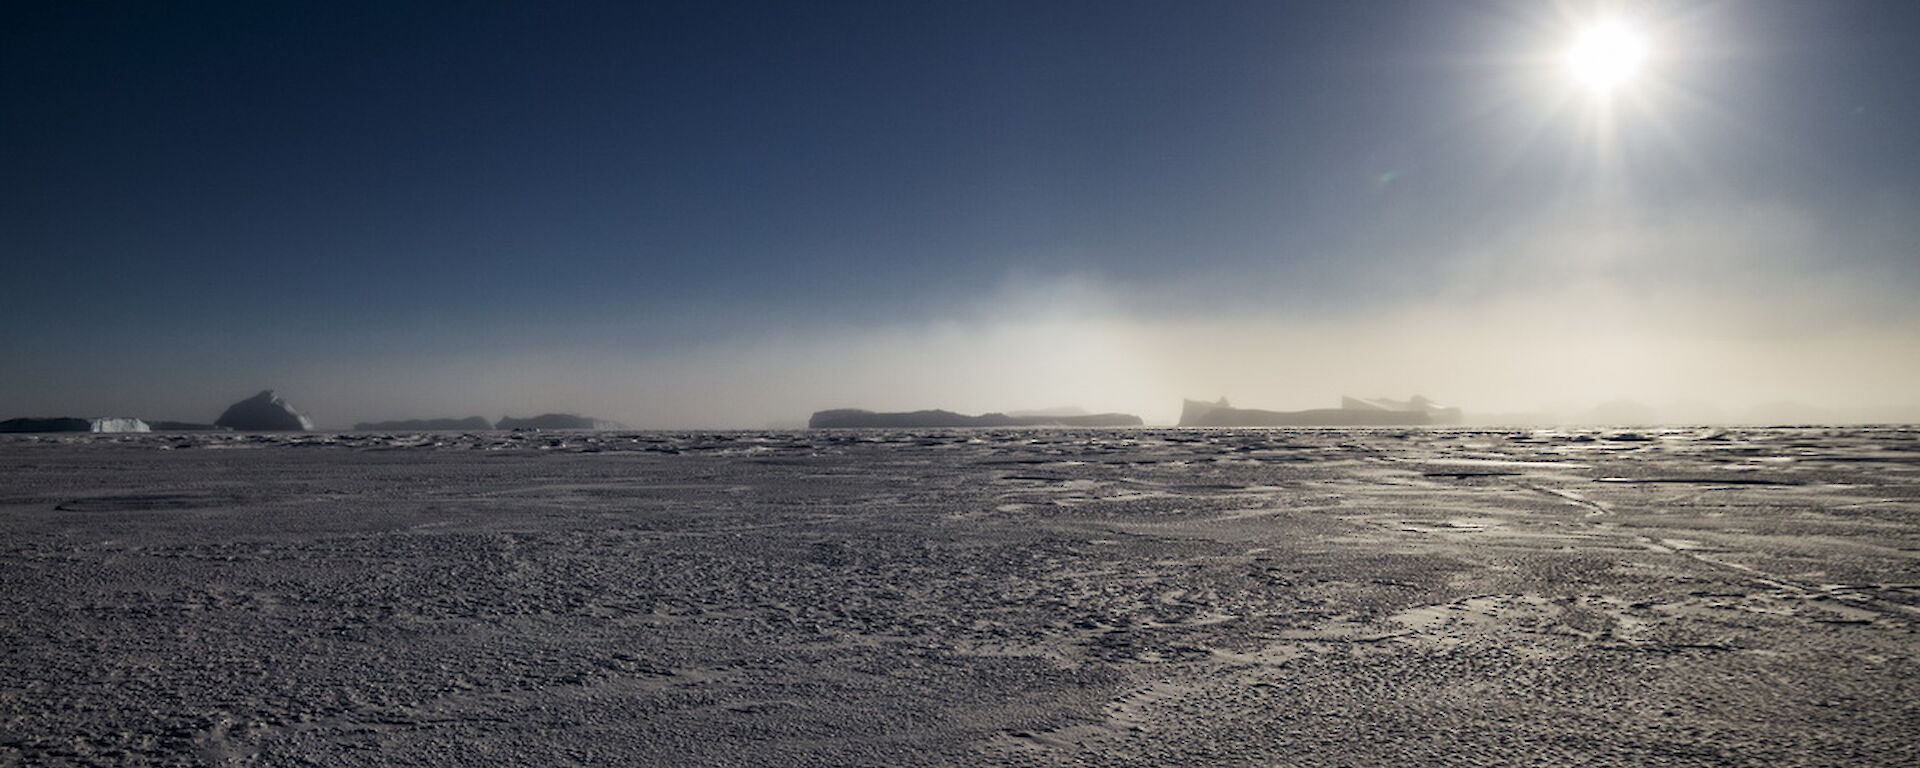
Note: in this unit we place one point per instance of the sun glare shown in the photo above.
(1607, 56)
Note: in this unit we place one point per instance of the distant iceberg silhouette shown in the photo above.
(1440, 414)
(471, 423)
(854, 418)
(1354, 412)
(184, 426)
(559, 421)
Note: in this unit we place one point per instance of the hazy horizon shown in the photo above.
(732, 217)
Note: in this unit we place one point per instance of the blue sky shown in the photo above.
(484, 207)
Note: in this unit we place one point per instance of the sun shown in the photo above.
(1607, 56)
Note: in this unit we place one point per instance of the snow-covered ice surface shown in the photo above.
(1743, 597)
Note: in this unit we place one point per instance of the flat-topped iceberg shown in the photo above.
(74, 424)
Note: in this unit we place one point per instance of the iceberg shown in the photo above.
(1354, 413)
(264, 412)
(74, 424)
(855, 418)
(559, 421)
(470, 424)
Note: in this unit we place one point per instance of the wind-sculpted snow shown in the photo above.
(1123, 597)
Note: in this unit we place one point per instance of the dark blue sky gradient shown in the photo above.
(473, 174)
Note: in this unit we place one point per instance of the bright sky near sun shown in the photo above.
(1607, 55)
(397, 203)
